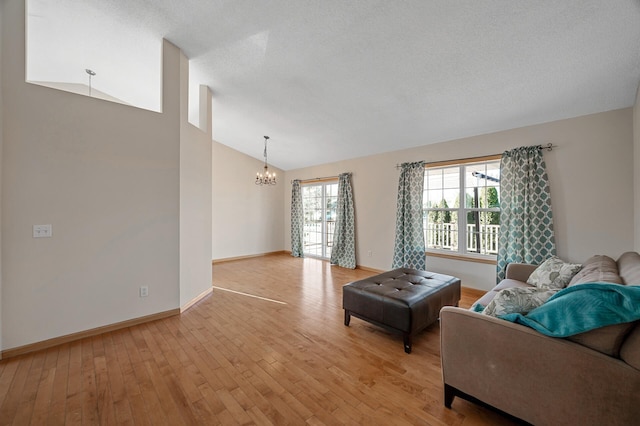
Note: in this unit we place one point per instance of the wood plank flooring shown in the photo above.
(282, 357)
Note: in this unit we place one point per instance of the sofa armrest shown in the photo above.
(519, 271)
(539, 379)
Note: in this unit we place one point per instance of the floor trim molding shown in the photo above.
(196, 299)
(249, 256)
(45, 344)
(368, 269)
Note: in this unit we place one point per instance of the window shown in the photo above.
(468, 227)
(319, 203)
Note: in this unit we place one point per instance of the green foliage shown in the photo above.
(492, 197)
(493, 201)
(487, 198)
(440, 216)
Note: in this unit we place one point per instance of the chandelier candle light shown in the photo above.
(266, 177)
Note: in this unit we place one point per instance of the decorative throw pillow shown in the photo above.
(554, 273)
(517, 300)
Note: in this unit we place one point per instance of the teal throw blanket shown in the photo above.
(581, 308)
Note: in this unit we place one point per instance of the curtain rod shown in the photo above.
(548, 147)
(318, 179)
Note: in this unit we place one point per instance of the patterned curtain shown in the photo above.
(297, 220)
(526, 222)
(343, 252)
(409, 250)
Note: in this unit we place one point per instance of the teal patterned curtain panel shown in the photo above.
(526, 221)
(343, 252)
(297, 220)
(409, 250)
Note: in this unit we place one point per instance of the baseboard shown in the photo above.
(45, 344)
(232, 259)
(196, 299)
(366, 268)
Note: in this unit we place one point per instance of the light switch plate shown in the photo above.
(42, 231)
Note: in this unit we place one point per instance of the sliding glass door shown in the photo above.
(319, 203)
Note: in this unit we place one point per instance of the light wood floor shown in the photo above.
(284, 357)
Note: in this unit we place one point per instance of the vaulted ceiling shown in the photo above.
(332, 79)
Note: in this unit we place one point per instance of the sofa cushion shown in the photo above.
(630, 349)
(519, 271)
(607, 340)
(517, 300)
(597, 269)
(629, 268)
(553, 273)
(506, 283)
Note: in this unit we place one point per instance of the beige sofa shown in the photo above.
(589, 379)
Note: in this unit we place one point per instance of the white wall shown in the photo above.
(108, 178)
(591, 174)
(247, 218)
(195, 194)
(636, 169)
(126, 56)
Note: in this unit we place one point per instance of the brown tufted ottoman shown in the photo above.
(403, 300)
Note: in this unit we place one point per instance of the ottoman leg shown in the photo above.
(347, 317)
(407, 343)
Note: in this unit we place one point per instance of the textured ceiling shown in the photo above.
(332, 79)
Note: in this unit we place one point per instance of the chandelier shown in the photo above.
(266, 177)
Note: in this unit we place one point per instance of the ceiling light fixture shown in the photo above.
(266, 177)
(91, 74)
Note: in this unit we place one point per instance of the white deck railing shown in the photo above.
(313, 240)
(438, 236)
(445, 236)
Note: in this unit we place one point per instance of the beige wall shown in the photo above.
(195, 194)
(247, 218)
(591, 173)
(636, 169)
(108, 178)
(2, 37)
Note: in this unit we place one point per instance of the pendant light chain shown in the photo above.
(266, 177)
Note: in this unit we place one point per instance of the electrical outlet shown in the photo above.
(369, 253)
(144, 291)
(42, 231)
